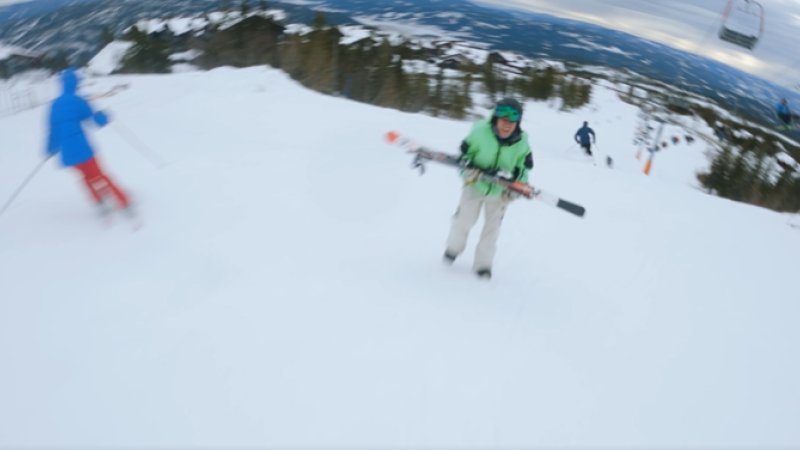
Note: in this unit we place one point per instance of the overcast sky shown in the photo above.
(692, 25)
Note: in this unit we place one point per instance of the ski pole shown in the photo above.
(137, 144)
(23, 184)
(608, 159)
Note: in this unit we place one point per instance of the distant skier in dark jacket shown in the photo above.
(784, 113)
(66, 136)
(585, 136)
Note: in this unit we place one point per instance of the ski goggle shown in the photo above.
(507, 112)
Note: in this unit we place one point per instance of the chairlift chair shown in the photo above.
(742, 23)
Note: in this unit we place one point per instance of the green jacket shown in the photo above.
(484, 150)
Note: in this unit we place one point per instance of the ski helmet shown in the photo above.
(508, 108)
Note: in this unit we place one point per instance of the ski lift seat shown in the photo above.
(740, 39)
(742, 23)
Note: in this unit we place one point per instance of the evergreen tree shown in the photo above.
(716, 179)
(490, 78)
(392, 84)
(106, 36)
(467, 93)
(322, 73)
(454, 101)
(320, 22)
(378, 60)
(149, 54)
(359, 70)
(58, 61)
(437, 102)
(542, 84)
(417, 93)
(293, 58)
(574, 93)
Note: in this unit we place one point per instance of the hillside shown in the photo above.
(286, 288)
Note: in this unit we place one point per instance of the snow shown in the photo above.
(6, 51)
(788, 160)
(185, 56)
(298, 28)
(182, 25)
(109, 58)
(301, 2)
(352, 34)
(592, 46)
(286, 289)
(401, 30)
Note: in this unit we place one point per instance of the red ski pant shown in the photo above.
(99, 184)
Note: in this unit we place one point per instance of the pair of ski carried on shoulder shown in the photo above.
(424, 155)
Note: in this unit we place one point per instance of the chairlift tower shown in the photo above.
(654, 147)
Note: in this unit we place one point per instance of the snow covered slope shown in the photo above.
(287, 289)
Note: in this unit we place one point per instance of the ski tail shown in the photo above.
(570, 207)
(558, 202)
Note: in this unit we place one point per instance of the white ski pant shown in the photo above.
(469, 209)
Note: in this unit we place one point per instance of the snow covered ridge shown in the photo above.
(446, 45)
(197, 24)
(444, 50)
(108, 59)
(6, 51)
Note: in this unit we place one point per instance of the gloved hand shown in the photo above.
(509, 195)
(472, 176)
(521, 190)
(504, 175)
(101, 119)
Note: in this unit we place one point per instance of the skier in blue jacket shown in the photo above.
(67, 137)
(585, 136)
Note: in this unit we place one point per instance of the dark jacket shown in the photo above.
(583, 135)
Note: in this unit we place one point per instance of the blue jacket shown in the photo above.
(583, 134)
(66, 134)
(782, 109)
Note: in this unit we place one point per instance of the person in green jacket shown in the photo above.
(496, 145)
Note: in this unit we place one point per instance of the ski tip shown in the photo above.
(392, 136)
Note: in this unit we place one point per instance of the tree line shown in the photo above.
(747, 170)
(399, 75)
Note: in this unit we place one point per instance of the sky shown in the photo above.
(691, 25)
(286, 288)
